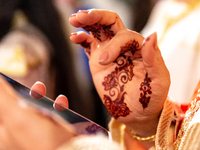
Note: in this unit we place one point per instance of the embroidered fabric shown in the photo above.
(163, 131)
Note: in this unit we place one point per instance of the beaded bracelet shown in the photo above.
(149, 138)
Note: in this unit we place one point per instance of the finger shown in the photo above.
(38, 90)
(101, 23)
(61, 103)
(84, 40)
(152, 58)
(124, 40)
(73, 21)
(92, 16)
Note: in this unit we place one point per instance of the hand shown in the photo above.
(24, 127)
(131, 79)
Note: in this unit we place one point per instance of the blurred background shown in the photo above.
(35, 45)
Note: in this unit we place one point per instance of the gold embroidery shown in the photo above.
(195, 105)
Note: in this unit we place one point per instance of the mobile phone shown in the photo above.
(82, 124)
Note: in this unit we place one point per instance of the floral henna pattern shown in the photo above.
(116, 80)
(146, 88)
(107, 30)
(87, 47)
(93, 128)
(95, 29)
(130, 47)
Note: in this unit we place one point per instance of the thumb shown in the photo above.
(152, 58)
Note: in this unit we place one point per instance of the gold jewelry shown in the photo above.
(173, 20)
(149, 138)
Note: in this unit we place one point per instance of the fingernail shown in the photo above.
(145, 40)
(60, 106)
(35, 95)
(155, 44)
(103, 57)
(143, 43)
(73, 15)
(83, 11)
(72, 34)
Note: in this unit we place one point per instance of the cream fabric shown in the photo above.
(164, 139)
(92, 142)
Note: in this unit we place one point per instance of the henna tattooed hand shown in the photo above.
(131, 79)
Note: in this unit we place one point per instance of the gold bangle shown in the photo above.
(149, 138)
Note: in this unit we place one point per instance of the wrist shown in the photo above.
(146, 141)
(145, 127)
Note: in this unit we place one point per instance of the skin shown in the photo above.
(24, 127)
(147, 59)
(103, 51)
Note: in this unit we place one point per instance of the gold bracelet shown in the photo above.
(149, 138)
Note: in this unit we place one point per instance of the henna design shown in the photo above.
(87, 47)
(116, 80)
(131, 47)
(95, 29)
(146, 88)
(93, 128)
(107, 30)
